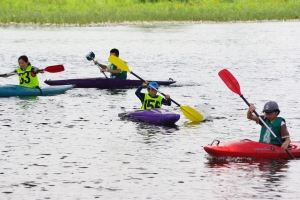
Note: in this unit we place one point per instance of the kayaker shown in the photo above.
(151, 99)
(27, 73)
(276, 124)
(115, 72)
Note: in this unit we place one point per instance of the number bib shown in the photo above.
(26, 79)
(150, 102)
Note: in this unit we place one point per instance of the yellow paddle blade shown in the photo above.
(119, 63)
(191, 114)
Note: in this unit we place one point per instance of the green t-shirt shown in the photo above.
(122, 75)
(266, 136)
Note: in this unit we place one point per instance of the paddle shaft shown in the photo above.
(51, 69)
(26, 72)
(154, 88)
(13, 73)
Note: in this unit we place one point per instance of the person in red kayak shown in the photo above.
(27, 73)
(276, 124)
(114, 71)
(151, 99)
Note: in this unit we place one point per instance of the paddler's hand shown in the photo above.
(103, 70)
(35, 71)
(285, 145)
(145, 84)
(167, 96)
(96, 62)
(251, 108)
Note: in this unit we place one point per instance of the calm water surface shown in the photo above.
(75, 146)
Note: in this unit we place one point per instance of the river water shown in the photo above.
(75, 145)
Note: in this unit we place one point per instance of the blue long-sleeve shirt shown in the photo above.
(141, 96)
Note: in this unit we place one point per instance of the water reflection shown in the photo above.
(271, 170)
(31, 98)
(114, 91)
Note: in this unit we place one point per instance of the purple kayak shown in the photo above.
(102, 83)
(155, 116)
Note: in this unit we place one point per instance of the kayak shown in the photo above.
(250, 149)
(155, 116)
(102, 83)
(17, 90)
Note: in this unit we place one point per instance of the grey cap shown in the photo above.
(271, 106)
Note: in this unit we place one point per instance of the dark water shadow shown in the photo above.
(115, 91)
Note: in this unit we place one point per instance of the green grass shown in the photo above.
(100, 11)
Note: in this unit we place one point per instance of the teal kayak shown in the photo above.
(16, 90)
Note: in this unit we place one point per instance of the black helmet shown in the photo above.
(271, 106)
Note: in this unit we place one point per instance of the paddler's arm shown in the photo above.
(113, 71)
(102, 66)
(250, 115)
(167, 100)
(285, 135)
(8, 74)
(139, 94)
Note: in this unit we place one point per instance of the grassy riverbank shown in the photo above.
(101, 11)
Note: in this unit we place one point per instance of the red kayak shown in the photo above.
(250, 149)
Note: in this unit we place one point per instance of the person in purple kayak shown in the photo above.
(276, 124)
(151, 99)
(115, 72)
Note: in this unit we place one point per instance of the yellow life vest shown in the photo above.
(26, 79)
(151, 102)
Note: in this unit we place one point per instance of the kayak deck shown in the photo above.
(157, 116)
(103, 83)
(250, 149)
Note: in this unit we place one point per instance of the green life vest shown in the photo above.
(266, 136)
(26, 79)
(151, 102)
(122, 75)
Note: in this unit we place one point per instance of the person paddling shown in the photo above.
(26, 72)
(151, 99)
(115, 72)
(276, 124)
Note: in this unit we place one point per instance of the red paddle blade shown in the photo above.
(54, 68)
(230, 81)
